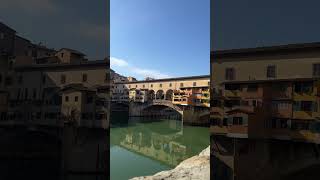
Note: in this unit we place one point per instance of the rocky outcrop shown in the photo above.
(194, 168)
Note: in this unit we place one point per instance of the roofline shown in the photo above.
(270, 80)
(8, 27)
(17, 36)
(98, 63)
(73, 51)
(167, 79)
(262, 50)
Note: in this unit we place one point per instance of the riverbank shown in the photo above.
(196, 167)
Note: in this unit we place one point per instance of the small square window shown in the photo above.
(271, 71)
(316, 70)
(84, 78)
(76, 98)
(194, 83)
(230, 74)
(67, 98)
(63, 79)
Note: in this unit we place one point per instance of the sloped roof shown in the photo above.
(73, 51)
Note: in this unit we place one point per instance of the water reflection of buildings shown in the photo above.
(163, 148)
(264, 94)
(58, 94)
(160, 140)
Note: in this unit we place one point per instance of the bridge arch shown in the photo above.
(151, 95)
(157, 106)
(169, 95)
(160, 94)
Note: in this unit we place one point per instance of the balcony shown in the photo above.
(238, 131)
(218, 130)
(281, 95)
(302, 115)
(304, 96)
(282, 113)
(232, 93)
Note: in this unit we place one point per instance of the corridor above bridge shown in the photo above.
(192, 90)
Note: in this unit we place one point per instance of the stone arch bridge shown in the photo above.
(164, 108)
(139, 109)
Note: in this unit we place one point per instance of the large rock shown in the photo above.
(194, 168)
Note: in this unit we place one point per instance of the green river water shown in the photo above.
(143, 147)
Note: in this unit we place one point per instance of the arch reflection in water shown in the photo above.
(163, 143)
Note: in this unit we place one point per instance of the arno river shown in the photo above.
(143, 146)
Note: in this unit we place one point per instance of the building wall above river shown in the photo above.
(275, 88)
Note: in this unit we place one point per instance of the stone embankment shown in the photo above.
(194, 168)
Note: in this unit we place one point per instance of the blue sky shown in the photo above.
(160, 38)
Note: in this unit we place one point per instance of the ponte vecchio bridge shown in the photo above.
(187, 96)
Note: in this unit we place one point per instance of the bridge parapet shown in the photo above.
(167, 103)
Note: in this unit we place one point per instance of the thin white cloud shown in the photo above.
(149, 73)
(29, 6)
(118, 62)
(136, 71)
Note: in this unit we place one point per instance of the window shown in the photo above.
(181, 84)
(237, 121)
(129, 86)
(67, 98)
(271, 71)
(303, 87)
(143, 86)
(231, 103)
(194, 83)
(63, 79)
(170, 85)
(136, 86)
(252, 87)
(304, 106)
(62, 55)
(254, 103)
(151, 85)
(76, 98)
(0, 78)
(316, 70)
(230, 74)
(160, 85)
(281, 87)
(225, 121)
(232, 87)
(84, 78)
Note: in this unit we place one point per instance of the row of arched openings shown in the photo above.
(160, 95)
